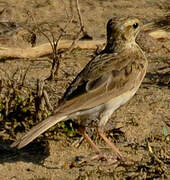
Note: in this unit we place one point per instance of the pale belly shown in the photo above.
(114, 104)
(100, 114)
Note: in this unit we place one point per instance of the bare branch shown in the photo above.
(24, 75)
(47, 100)
(55, 63)
(67, 14)
(79, 15)
(39, 98)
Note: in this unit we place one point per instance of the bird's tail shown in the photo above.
(38, 129)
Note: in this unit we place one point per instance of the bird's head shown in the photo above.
(123, 29)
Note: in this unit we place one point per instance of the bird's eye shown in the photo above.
(135, 25)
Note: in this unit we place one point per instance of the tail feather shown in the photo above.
(37, 130)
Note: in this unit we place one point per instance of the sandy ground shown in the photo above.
(139, 126)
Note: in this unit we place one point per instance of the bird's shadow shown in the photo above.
(36, 152)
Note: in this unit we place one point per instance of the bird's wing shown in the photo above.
(105, 72)
(95, 74)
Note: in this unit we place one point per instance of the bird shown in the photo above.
(108, 81)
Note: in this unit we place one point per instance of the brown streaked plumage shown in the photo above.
(108, 81)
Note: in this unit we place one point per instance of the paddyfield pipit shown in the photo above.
(108, 81)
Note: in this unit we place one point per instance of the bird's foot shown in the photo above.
(101, 156)
(109, 158)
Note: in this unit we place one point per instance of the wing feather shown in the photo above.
(95, 74)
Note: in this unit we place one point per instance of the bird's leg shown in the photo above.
(113, 147)
(82, 130)
(99, 155)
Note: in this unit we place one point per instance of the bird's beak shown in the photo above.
(148, 26)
